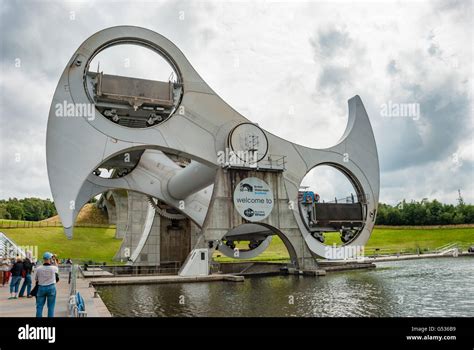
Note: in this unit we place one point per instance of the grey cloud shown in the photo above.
(44, 47)
(443, 123)
(415, 155)
(392, 67)
(330, 41)
(333, 76)
(434, 50)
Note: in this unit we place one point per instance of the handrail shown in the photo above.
(169, 267)
(5, 241)
(73, 307)
(447, 246)
(38, 224)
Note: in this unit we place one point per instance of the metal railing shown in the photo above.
(37, 224)
(382, 251)
(270, 162)
(274, 162)
(8, 248)
(447, 247)
(73, 307)
(165, 268)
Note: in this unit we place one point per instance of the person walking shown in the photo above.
(16, 271)
(47, 275)
(5, 269)
(27, 270)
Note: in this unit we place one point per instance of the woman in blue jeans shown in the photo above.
(16, 270)
(27, 269)
(46, 276)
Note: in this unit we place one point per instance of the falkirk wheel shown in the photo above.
(189, 175)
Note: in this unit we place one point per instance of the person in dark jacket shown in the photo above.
(16, 271)
(27, 270)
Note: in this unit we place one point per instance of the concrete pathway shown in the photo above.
(382, 258)
(24, 307)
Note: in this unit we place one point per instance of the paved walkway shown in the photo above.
(382, 258)
(413, 256)
(24, 307)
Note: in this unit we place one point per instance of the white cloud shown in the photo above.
(291, 67)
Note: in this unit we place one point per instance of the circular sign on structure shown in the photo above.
(253, 199)
(248, 142)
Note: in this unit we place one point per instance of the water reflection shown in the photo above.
(431, 287)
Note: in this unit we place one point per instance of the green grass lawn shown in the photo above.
(396, 239)
(391, 240)
(97, 244)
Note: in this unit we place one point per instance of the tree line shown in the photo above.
(405, 213)
(425, 213)
(30, 209)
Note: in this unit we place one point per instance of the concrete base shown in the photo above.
(151, 241)
(223, 217)
(136, 216)
(163, 279)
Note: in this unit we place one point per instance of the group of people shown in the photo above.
(46, 277)
(15, 272)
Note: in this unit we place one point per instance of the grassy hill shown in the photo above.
(89, 214)
(97, 244)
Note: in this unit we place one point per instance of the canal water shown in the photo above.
(425, 287)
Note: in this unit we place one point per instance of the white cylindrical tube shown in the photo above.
(191, 179)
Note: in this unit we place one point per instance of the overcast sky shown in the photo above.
(289, 66)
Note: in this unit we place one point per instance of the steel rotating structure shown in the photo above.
(165, 141)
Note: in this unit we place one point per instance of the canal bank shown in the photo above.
(405, 288)
(227, 272)
(236, 272)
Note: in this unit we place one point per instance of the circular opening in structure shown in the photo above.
(133, 61)
(330, 206)
(251, 242)
(133, 85)
(120, 165)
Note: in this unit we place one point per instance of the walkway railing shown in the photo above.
(444, 249)
(447, 247)
(165, 268)
(76, 307)
(37, 224)
(8, 248)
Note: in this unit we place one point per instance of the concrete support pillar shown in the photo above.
(149, 251)
(223, 216)
(120, 198)
(137, 209)
(111, 211)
